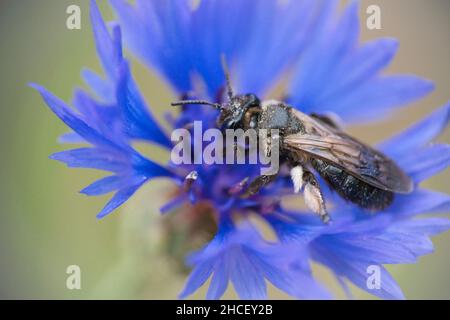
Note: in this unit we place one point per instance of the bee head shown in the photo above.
(240, 111)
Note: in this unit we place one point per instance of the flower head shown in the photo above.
(315, 48)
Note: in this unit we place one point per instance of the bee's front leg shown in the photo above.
(304, 179)
(258, 184)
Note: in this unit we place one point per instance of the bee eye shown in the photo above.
(253, 100)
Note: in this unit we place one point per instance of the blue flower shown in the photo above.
(329, 72)
(244, 257)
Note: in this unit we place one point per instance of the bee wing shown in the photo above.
(363, 162)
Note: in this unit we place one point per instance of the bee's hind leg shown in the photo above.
(314, 200)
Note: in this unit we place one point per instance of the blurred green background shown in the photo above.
(46, 225)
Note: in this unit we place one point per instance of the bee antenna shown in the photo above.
(227, 77)
(203, 102)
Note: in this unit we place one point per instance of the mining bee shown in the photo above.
(357, 172)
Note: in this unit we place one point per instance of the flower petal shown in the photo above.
(219, 282)
(63, 111)
(119, 198)
(109, 48)
(275, 35)
(101, 87)
(428, 226)
(418, 202)
(376, 97)
(243, 256)
(417, 135)
(197, 278)
(103, 186)
(157, 32)
(426, 162)
(357, 272)
(139, 123)
(357, 68)
(325, 53)
(92, 158)
(247, 281)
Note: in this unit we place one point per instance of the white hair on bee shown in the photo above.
(297, 178)
(314, 201)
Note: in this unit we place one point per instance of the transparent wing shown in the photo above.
(331, 144)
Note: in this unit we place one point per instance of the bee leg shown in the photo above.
(258, 184)
(190, 180)
(313, 196)
(237, 188)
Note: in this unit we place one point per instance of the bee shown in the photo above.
(314, 143)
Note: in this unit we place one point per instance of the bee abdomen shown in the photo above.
(353, 189)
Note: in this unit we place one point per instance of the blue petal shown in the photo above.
(119, 87)
(70, 119)
(371, 249)
(389, 287)
(210, 39)
(376, 241)
(139, 123)
(426, 162)
(157, 32)
(417, 135)
(103, 118)
(428, 226)
(173, 204)
(336, 76)
(108, 154)
(243, 256)
(101, 87)
(329, 48)
(419, 202)
(247, 280)
(119, 198)
(197, 278)
(92, 158)
(103, 186)
(109, 48)
(373, 99)
(219, 282)
(357, 68)
(299, 284)
(272, 38)
(71, 138)
(356, 272)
